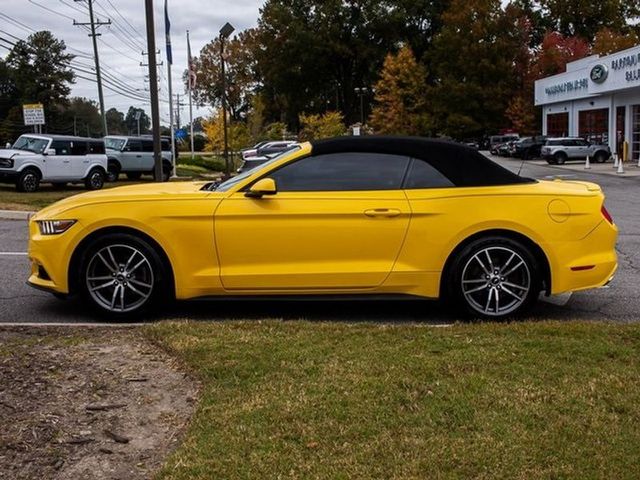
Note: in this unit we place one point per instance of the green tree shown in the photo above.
(316, 126)
(132, 124)
(400, 98)
(42, 74)
(115, 122)
(80, 116)
(473, 58)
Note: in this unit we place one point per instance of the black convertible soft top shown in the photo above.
(464, 166)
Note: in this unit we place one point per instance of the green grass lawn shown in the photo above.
(331, 400)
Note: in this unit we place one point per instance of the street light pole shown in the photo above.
(225, 32)
(361, 92)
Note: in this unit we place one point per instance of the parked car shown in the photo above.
(497, 140)
(529, 147)
(506, 149)
(253, 151)
(54, 159)
(133, 156)
(251, 163)
(275, 147)
(340, 216)
(561, 150)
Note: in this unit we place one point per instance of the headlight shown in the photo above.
(6, 163)
(54, 227)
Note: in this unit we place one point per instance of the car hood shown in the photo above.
(130, 193)
(8, 153)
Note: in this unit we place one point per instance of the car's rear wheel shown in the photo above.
(560, 158)
(166, 173)
(600, 157)
(113, 172)
(95, 179)
(28, 181)
(495, 277)
(121, 275)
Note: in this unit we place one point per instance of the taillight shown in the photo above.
(606, 215)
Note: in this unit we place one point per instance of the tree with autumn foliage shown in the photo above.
(556, 51)
(316, 127)
(400, 96)
(609, 41)
(237, 134)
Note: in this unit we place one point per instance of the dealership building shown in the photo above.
(597, 98)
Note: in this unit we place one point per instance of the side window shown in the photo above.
(351, 171)
(61, 147)
(423, 175)
(147, 146)
(96, 147)
(78, 148)
(134, 146)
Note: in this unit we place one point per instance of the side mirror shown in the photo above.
(50, 151)
(265, 186)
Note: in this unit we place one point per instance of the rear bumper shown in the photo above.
(588, 263)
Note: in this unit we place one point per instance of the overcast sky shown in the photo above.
(120, 44)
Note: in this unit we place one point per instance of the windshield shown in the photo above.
(114, 143)
(225, 186)
(30, 144)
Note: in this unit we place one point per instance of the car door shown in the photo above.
(79, 159)
(146, 160)
(58, 166)
(132, 156)
(582, 147)
(337, 222)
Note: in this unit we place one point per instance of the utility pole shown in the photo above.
(153, 90)
(93, 24)
(225, 33)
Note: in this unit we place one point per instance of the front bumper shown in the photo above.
(8, 176)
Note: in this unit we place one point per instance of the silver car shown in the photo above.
(557, 151)
(133, 156)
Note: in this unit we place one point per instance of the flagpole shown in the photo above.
(190, 100)
(169, 64)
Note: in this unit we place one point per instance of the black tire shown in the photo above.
(95, 179)
(28, 180)
(560, 158)
(166, 173)
(113, 171)
(487, 289)
(134, 175)
(59, 185)
(600, 157)
(143, 268)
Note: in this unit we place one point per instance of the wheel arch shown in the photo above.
(31, 166)
(76, 256)
(114, 160)
(536, 250)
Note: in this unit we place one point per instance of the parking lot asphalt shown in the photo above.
(21, 304)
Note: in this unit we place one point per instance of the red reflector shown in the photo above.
(583, 267)
(606, 215)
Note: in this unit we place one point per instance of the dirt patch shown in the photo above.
(94, 404)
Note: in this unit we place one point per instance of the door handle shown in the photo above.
(138, 156)
(65, 161)
(382, 212)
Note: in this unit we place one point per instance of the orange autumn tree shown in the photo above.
(400, 96)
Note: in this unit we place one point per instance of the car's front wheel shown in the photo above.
(28, 181)
(95, 179)
(560, 158)
(495, 277)
(121, 274)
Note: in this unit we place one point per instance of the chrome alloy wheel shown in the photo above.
(496, 281)
(119, 278)
(96, 180)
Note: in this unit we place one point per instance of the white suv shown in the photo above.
(134, 157)
(54, 159)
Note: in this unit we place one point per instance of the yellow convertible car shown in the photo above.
(371, 215)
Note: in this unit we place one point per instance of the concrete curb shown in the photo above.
(14, 215)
